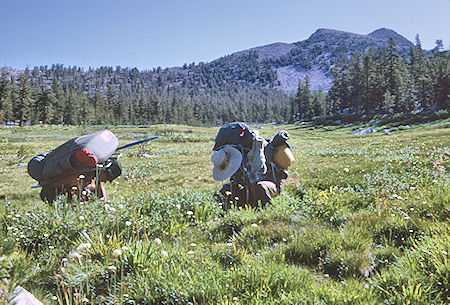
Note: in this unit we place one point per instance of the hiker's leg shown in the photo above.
(264, 191)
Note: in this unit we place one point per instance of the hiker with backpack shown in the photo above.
(78, 167)
(255, 166)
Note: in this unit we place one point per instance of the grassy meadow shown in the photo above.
(363, 219)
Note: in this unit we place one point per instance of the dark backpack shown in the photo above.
(50, 166)
(237, 133)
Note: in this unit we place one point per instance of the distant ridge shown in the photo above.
(277, 65)
(315, 56)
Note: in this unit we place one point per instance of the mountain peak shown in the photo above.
(386, 34)
(327, 32)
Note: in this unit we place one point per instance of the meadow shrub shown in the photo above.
(338, 253)
(397, 229)
(421, 275)
(228, 254)
(257, 236)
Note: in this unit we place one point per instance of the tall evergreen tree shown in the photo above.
(440, 67)
(99, 106)
(5, 101)
(69, 111)
(45, 106)
(355, 83)
(14, 98)
(112, 114)
(58, 102)
(304, 99)
(156, 110)
(24, 101)
(123, 109)
(368, 81)
(394, 71)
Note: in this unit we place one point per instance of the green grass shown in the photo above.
(362, 220)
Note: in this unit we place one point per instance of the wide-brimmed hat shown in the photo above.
(227, 161)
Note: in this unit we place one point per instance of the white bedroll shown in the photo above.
(23, 297)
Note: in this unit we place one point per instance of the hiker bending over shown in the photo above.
(77, 168)
(255, 166)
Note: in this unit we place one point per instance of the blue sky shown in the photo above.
(151, 33)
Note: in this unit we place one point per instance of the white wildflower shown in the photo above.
(84, 246)
(117, 252)
(75, 255)
(158, 241)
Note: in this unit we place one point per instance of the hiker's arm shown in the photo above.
(101, 191)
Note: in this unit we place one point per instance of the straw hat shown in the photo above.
(227, 161)
(283, 157)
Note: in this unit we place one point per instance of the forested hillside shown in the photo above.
(333, 71)
(380, 82)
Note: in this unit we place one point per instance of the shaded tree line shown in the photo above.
(233, 88)
(67, 96)
(380, 81)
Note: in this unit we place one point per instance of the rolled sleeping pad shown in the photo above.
(59, 162)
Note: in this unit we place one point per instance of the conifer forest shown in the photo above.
(376, 81)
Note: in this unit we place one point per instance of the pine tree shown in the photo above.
(408, 97)
(156, 110)
(320, 105)
(174, 115)
(419, 70)
(58, 102)
(5, 101)
(44, 106)
(14, 98)
(112, 114)
(440, 71)
(69, 111)
(388, 103)
(337, 96)
(368, 82)
(85, 111)
(304, 99)
(355, 83)
(394, 71)
(24, 101)
(99, 106)
(123, 109)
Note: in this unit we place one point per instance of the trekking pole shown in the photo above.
(137, 142)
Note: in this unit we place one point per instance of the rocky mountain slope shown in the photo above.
(315, 56)
(275, 66)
